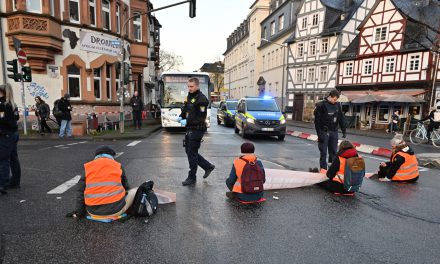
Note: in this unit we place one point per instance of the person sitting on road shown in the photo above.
(103, 192)
(403, 165)
(336, 171)
(246, 168)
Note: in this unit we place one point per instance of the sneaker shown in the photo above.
(384, 179)
(208, 172)
(189, 181)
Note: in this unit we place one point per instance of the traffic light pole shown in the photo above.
(23, 100)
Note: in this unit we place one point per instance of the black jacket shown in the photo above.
(431, 118)
(328, 116)
(195, 110)
(65, 108)
(8, 117)
(43, 110)
(136, 103)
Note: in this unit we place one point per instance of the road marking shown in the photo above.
(65, 186)
(134, 143)
(118, 154)
(82, 142)
(58, 146)
(71, 144)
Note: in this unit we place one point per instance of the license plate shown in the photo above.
(267, 129)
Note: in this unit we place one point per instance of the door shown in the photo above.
(367, 114)
(298, 107)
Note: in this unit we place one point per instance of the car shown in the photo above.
(260, 116)
(226, 112)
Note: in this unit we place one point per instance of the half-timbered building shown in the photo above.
(391, 56)
(324, 28)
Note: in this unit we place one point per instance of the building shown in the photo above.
(73, 47)
(324, 29)
(276, 28)
(217, 76)
(242, 62)
(393, 55)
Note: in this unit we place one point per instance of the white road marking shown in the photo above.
(58, 146)
(65, 186)
(82, 142)
(118, 154)
(71, 144)
(134, 143)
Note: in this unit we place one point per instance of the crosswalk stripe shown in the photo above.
(65, 186)
(134, 143)
(118, 154)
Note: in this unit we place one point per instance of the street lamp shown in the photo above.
(284, 68)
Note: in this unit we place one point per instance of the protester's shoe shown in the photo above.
(189, 181)
(3, 190)
(384, 179)
(208, 172)
(316, 170)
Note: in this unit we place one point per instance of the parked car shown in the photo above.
(260, 116)
(226, 112)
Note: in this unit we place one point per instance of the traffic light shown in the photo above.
(126, 73)
(27, 74)
(14, 69)
(192, 8)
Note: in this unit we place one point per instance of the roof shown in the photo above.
(351, 51)
(216, 67)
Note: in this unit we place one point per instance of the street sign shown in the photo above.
(22, 57)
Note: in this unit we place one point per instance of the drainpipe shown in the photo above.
(2, 51)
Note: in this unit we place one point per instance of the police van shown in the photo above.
(259, 116)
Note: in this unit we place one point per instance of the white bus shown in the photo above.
(174, 90)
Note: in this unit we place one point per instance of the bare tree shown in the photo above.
(169, 61)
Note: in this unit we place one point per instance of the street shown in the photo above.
(384, 223)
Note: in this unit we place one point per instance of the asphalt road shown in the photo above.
(385, 223)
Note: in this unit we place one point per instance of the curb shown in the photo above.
(363, 148)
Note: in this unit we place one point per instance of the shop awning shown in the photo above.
(397, 96)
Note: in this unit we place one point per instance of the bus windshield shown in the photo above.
(176, 90)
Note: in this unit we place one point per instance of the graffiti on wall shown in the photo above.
(35, 89)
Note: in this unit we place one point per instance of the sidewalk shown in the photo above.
(148, 127)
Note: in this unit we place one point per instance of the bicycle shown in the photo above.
(419, 135)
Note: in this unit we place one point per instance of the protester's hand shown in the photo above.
(383, 164)
(179, 119)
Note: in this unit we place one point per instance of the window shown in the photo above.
(281, 23)
(299, 76)
(74, 11)
(368, 67)
(118, 19)
(106, 14)
(315, 19)
(92, 12)
(380, 34)
(273, 59)
(312, 48)
(97, 83)
(33, 6)
(264, 33)
(304, 23)
(272, 28)
(349, 69)
(137, 26)
(311, 75)
(74, 84)
(108, 81)
(277, 55)
(323, 74)
(264, 59)
(414, 63)
(390, 65)
(300, 49)
(52, 7)
(383, 113)
(324, 45)
(268, 60)
(14, 5)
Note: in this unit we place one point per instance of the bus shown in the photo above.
(173, 93)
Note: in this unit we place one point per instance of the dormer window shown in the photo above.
(304, 23)
(380, 34)
(315, 19)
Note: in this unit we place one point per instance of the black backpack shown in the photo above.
(56, 109)
(145, 201)
(252, 178)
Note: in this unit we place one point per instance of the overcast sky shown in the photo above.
(203, 38)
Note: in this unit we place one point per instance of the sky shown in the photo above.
(203, 38)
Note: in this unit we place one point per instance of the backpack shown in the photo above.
(354, 174)
(252, 178)
(56, 110)
(145, 201)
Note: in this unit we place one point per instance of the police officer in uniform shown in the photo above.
(328, 115)
(194, 118)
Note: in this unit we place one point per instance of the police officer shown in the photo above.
(8, 140)
(193, 117)
(328, 115)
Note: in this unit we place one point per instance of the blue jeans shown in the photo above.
(8, 158)
(66, 125)
(327, 141)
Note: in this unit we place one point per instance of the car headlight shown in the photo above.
(250, 120)
(282, 122)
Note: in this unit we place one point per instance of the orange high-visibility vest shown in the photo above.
(239, 166)
(408, 170)
(103, 182)
(340, 174)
